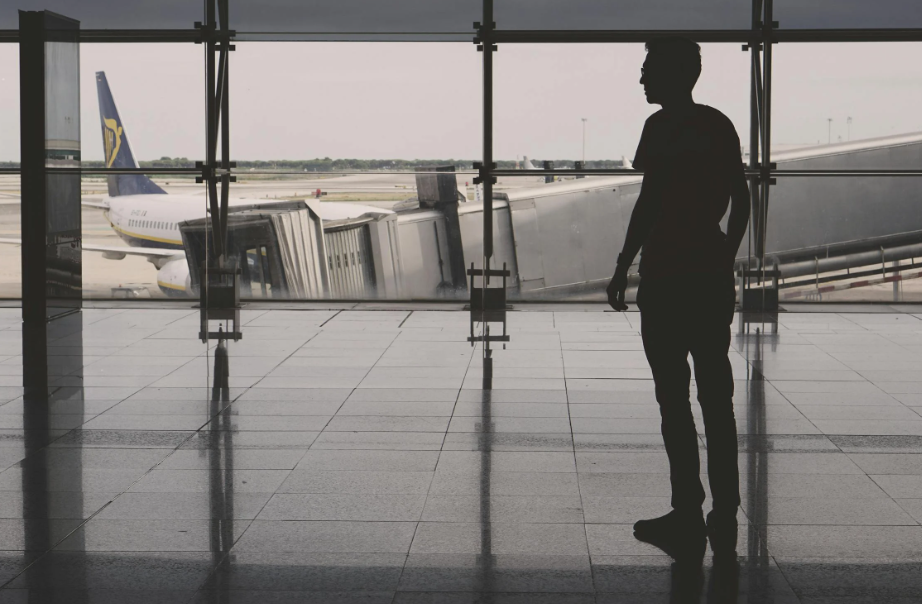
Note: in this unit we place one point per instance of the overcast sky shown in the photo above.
(412, 101)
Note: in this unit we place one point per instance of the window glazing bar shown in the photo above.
(575, 36)
(593, 36)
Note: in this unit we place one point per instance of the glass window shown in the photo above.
(10, 258)
(603, 14)
(842, 106)
(414, 16)
(331, 106)
(543, 92)
(846, 238)
(131, 14)
(847, 14)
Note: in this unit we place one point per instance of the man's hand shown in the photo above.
(729, 258)
(617, 288)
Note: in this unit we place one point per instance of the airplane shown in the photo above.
(147, 218)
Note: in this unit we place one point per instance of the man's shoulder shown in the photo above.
(656, 118)
(715, 116)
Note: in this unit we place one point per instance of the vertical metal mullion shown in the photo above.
(211, 115)
(225, 114)
(755, 129)
(486, 39)
(767, 26)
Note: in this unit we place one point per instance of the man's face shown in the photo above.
(655, 86)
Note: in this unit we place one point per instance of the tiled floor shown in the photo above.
(358, 457)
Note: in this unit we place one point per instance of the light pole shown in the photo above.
(829, 135)
(584, 140)
(848, 123)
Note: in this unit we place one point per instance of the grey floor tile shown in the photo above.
(405, 394)
(66, 571)
(34, 478)
(201, 481)
(270, 423)
(250, 439)
(503, 538)
(265, 572)
(507, 461)
(97, 596)
(507, 441)
(516, 410)
(245, 459)
(357, 482)
(135, 535)
(369, 441)
(626, 462)
(505, 483)
(527, 425)
(344, 506)
(396, 408)
(504, 508)
(888, 463)
(893, 542)
(141, 439)
(185, 506)
(327, 537)
(367, 461)
(852, 486)
(853, 580)
(498, 573)
(829, 511)
(268, 408)
(512, 396)
(470, 597)
(375, 423)
(35, 534)
(900, 486)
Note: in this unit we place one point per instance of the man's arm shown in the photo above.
(643, 217)
(739, 212)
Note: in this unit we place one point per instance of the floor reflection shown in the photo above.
(220, 452)
(378, 457)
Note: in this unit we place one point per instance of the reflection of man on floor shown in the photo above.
(690, 156)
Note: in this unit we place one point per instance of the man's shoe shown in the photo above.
(722, 530)
(682, 535)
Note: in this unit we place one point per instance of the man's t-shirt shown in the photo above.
(688, 158)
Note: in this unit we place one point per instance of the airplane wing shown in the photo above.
(101, 205)
(117, 252)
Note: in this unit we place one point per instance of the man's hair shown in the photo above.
(680, 56)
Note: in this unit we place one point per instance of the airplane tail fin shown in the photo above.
(626, 163)
(527, 165)
(116, 147)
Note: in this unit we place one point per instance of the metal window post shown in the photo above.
(485, 43)
(217, 36)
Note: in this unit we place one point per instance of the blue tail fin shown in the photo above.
(116, 147)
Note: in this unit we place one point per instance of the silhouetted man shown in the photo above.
(690, 156)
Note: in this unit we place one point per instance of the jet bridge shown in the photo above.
(277, 247)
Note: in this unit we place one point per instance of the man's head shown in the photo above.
(671, 69)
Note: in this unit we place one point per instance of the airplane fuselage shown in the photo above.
(152, 220)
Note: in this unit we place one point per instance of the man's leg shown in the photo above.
(681, 533)
(714, 377)
(663, 331)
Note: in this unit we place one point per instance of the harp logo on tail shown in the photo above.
(112, 136)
